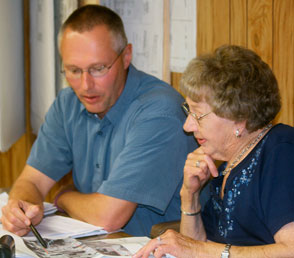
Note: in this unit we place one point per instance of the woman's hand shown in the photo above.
(197, 170)
(199, 167)
(170, 242)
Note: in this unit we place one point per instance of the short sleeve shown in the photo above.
(150, 167)
(51, 152)
(278, 187)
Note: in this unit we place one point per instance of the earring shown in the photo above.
(237, 133)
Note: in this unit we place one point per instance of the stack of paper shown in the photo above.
(56, 227)
(49, 208)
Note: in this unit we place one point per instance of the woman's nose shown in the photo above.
(190, 125)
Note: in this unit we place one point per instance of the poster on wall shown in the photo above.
(143, 22)
(183, 33)
(46, 18)
(42, 60)
(62, 9)
(12, 106)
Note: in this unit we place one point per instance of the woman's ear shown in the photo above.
(239, 128)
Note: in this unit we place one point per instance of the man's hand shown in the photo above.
(17, 216)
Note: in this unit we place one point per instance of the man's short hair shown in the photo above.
(88, 17)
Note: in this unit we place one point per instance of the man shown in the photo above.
(117, 129)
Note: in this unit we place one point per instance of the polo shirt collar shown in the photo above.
(128, 94)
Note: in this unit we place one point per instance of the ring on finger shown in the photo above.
(197, 164)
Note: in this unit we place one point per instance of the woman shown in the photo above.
(232, 98)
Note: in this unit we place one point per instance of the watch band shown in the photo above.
(226, 251)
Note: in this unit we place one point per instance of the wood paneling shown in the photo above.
(84, 2)
(283, 56)
(238, 22)
(175, 81)
(213, 24)
(260, 28)
(265, 26)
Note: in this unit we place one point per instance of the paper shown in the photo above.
(42, 60)
(56, 227)
(122, 247)
(91, 247)
(85, 247)
(12, 100)
(143, 21)
(62, 9)
(61, 248)
(49, 208)
(183, 34)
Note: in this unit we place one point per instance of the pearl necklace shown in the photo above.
(246, 149)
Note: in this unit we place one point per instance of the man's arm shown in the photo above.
(27, 193)
(98, 209)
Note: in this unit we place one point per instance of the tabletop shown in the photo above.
(119, 234)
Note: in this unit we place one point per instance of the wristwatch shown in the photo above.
(226, 251)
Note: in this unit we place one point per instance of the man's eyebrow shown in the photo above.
(91, 65)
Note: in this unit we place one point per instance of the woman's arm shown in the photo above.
(182, 246)
(195, 178)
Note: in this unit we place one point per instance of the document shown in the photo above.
(183, 34)
(143, 22)
(84, 247)
(57, 227)
(91, 247)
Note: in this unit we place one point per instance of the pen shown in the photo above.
(37, 234)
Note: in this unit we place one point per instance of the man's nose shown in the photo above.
(87, 81)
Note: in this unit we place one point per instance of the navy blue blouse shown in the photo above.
(259, 193)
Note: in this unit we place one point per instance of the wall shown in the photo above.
(266, 26)
(13, 161)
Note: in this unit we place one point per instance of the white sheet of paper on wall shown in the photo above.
(12, 97)
(143, 22)
(183, 33)
(42, 60)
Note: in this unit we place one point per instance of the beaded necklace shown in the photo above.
(227, 170)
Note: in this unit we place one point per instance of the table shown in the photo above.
(106, 236)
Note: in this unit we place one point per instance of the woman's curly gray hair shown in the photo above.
(237, 85)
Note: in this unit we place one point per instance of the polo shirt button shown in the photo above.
(97, 165)
(100, 133)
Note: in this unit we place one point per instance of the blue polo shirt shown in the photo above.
(136, 152)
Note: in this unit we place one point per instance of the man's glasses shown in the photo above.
(186, 108)
(75, 73)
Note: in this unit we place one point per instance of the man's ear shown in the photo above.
(127, 55)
